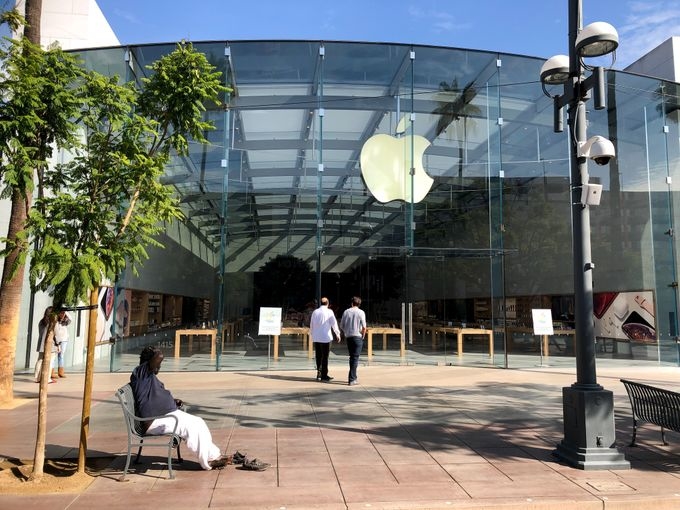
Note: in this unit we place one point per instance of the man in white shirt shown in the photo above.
(322, 325)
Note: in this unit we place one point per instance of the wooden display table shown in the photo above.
(384, 332)
(228, 333)
(293, 331)
(460, 333)
(230, 330)
(545, 339)
(212, 333)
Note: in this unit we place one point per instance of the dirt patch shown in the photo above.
(60, 476)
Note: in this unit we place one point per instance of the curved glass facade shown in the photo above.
(278, 212)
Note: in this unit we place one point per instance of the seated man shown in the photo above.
(152, 399)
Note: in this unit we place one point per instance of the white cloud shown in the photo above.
(647, 24)
(127, 16)
(440, 21)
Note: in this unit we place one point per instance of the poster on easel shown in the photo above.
(270, 321)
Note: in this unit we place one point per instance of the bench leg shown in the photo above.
(632, 442)
(127, 465)
(177, 442)
(139, 453)
(663, 437)
(171, 475)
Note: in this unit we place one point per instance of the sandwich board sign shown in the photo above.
(270, 321)
(542, 319)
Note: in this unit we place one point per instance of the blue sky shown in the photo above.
(526, 27)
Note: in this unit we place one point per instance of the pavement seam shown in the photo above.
(325, 444)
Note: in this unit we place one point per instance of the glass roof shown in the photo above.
(291, 136)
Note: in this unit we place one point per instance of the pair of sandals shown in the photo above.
(226, 460)
(239, 458)
(249, 464)
(254, 465)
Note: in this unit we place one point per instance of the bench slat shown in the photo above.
(653, 405)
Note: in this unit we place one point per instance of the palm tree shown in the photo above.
(456, 104)
(22, 195)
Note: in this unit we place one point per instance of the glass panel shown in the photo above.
(283, 180)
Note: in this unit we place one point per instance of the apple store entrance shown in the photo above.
(429, 181)
(415, 311)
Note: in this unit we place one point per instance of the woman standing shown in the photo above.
(61, 339)
(42, 337)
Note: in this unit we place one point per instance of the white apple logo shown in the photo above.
(385, 166)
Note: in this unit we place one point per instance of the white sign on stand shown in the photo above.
(270, 321)
(543, 324)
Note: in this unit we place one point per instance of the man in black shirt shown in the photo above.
(152, 399)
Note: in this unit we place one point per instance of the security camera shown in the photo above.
(602, 150)
(599, 149)
(603, 160)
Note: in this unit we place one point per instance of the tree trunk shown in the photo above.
(10, 298)
(12, 281)
(89, 376)
(33, 19)
(32, 34)
(41, 434)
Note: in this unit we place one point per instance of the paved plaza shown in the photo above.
(407, 437)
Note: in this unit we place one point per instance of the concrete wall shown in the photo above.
(662, 62)
(74, 24)
(174, 269)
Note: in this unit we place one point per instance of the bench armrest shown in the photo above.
(140, 420)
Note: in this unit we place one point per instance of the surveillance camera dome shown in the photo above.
(602, 160)
(599, 149)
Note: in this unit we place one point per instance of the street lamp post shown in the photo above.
(588, 409)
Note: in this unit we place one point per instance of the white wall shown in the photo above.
(662, 62)
(74, 24)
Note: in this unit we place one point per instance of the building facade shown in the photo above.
(427, 180)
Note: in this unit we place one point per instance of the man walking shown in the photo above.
(322, 326)
(353, 325)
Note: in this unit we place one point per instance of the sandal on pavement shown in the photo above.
(221, 462)
(239, 457)
(255, 465)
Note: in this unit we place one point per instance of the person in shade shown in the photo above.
(322, 326)
(43, 326)
(353, 326)
(61, 339)
(152, 399)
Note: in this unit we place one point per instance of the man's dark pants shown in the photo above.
(354, 346)
(322, 350)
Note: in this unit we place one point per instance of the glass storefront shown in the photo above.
(452, 229)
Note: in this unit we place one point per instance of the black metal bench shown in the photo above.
(653, 405)
(136, 432)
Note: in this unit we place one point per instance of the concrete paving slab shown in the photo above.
(409, 437)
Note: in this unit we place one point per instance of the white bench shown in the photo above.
(137, 434)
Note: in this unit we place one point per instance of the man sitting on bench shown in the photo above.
(152, 399)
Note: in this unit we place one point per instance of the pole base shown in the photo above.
(589, 436)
